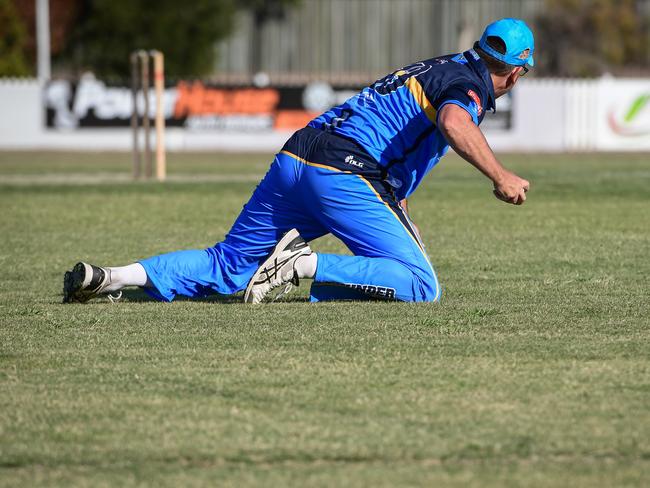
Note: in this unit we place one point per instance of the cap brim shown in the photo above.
(530, 61)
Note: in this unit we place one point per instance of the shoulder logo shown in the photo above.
(460, 58)
(472, 94)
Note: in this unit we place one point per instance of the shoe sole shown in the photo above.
(279, 247)
(72, 284)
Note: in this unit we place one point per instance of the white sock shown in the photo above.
(306, 265)
(131, 275)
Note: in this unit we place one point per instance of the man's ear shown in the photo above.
(513, 77)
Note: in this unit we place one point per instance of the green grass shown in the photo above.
(533, 371)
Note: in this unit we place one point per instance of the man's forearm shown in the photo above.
(470, 143)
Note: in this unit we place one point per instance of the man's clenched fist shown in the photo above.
(511, 188)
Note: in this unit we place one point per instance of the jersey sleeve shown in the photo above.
(467, 97)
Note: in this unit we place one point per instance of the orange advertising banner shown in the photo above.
(194, 105)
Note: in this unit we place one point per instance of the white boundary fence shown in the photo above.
(580, 117)
(551, 115)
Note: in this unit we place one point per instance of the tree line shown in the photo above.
(575, 38)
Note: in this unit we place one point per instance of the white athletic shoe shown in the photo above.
(84, 282)
(278, 270)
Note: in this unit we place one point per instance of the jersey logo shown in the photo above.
(353, 162)
(472, 94)
(459, 59)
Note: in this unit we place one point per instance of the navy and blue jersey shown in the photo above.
(343, 175)
(395, 119)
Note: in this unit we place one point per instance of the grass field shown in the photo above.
(534, 370)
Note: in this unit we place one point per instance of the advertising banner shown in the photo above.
(199, 107)
(623, 108)
(193, 105)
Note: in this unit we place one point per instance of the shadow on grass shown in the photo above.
(138, 295)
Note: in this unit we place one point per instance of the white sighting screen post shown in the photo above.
(43, 39)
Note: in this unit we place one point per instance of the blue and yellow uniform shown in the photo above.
(344, 174)
(395, 119)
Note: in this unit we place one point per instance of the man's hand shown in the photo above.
(469, 142)
(510, 188)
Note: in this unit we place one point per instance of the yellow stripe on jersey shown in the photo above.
(418, 93)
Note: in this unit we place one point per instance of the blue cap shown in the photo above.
(516, 35)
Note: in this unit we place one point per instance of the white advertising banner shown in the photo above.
(537, 118)
(623, 115)
(547, 115)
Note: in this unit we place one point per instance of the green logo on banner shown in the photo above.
(635, 121)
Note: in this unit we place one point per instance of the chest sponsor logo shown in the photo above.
(472, 94)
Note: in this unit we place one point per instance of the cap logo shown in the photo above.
(524, 54)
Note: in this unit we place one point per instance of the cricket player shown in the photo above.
(349, 173)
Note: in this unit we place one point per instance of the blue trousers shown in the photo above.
(311, 186)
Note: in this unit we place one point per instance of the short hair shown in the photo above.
(494, 65)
